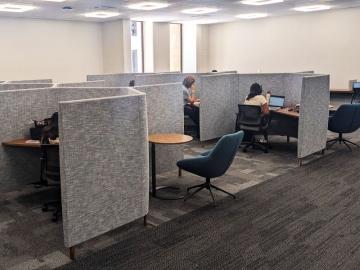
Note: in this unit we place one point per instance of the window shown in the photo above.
(175, 47)
(137, 46)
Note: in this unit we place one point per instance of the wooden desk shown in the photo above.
(163, 139)
(285, 111)
(341, 91)
(21, 143)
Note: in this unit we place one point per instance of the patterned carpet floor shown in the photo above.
(308, 218)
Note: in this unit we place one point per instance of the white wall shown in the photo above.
(148, 32)
(327, 42)
(161, 33)
(59, 50)
(202, 48)
(116, 46)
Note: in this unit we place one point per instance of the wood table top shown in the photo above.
(287, 112)
(162, 138)
(25, 143)
(22, 143)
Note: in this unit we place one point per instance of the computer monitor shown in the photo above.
(276, 101)
(356, 86)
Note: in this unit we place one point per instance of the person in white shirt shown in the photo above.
(256, 98)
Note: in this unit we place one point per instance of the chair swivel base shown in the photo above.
(256, 145)
(207, 185)
(55, 208)
(341, 140)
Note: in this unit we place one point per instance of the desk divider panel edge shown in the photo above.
(314, 115)
(165, 115)
(104, 165)
(48, 81)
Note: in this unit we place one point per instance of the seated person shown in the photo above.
(256, 98)
(190, 102)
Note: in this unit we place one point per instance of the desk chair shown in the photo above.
(355, 95)
(213, 163)
(51, 173)
(345, 120)
(250, 119)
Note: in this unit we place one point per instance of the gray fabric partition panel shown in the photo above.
(33, 81)
(17, 110)
(100, 83)
(284, 84)
(20, 86)
(314, 114)
(165, 115)
(104, 165)
(120, 80)
(218, 108)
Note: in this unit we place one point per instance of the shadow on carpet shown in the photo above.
(306, 219)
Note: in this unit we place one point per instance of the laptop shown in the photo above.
(276, 102)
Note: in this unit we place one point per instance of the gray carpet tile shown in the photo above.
(29, 240)
(305, 219)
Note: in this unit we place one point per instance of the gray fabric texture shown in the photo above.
(17, 110)
(20, 86)
(121, 79)
(33, 81)
(100, 83)
(314, 114)
(218, 107)
(165, 115)
(104, 165)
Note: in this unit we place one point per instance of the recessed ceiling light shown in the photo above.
(148, 5)
(199, 10)
(15, 8)
(102, 14)
(312, 8)
(260, 2)
(252, 15)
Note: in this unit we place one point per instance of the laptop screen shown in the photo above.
(277, 101)
(356, 85)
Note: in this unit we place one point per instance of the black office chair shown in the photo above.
(250, 119)
(213, 163)
(51, 173)
(345, 120)
(355, 95)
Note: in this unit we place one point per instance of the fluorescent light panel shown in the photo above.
(148, 5)
(260, 2)
(312, 8)
(252, 16)
(102, 14)
(16, 8)
(59, 1)
(199, 10)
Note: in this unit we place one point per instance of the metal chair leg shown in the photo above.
(355, 144)
(192, 194)
(347, 145)
(219, 189)
(212, 195)
(190, 188)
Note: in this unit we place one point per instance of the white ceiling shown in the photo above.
(228, 9)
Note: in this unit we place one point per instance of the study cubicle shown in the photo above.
(222, 93)
(103, 153)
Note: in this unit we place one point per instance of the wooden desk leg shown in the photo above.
(323, 152)
(288, 139)
(180, 172)
(72, 253)
(300, 162)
